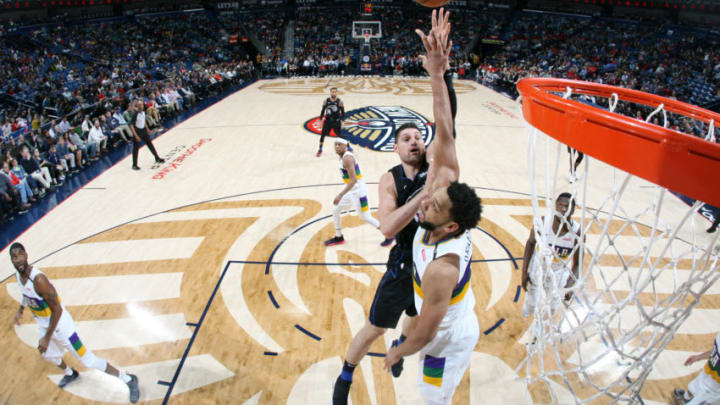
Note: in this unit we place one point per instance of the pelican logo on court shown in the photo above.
(374, 127)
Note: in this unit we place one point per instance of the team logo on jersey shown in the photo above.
(374, 127)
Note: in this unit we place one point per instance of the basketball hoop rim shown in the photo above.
(679, 162)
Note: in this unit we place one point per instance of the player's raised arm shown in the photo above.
(444, 167)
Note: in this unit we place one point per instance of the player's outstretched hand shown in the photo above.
(437, 46)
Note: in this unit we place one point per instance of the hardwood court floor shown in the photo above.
(207, 276)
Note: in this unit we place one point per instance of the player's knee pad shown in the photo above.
(89, 360)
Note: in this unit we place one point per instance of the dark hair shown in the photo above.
(466, 205)
(568, 196)
(17, 245)
(404, 127)
(333, 88)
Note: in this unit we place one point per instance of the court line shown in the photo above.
(163, 212)
(501, 244)
(267, 266)
(166, 131)
(205, 202)
(492, 328)
(284, 239)
(350, 263)
(194, 335)
(307, 332)
(272, 299)
(217, 285)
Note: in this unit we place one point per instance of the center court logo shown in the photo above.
(374, 127)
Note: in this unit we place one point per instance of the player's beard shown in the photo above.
(428, 226)
(418, 160)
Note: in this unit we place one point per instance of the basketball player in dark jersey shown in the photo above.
(332, 113)
(401, 192)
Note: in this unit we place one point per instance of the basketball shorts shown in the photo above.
(394, 294)
(356, 198)
(64, 338)
(334, 125)
(704, 388)
(444, 360)
(553, 287)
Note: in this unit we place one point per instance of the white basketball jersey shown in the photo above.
(346, 176)
(39, 308)
(562, 246)
(462, 302)
(712, 368)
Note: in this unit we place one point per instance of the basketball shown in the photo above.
(432, 3)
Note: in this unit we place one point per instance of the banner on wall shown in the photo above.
(458, 3)
(228, 5)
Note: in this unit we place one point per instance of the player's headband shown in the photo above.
(341, 140)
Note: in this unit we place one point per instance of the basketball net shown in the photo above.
(367, 37)
(645, 261)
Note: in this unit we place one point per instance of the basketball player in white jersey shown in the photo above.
(353, 195)
(565, 234)
(447, 329)
(705, 388)
(56, 327)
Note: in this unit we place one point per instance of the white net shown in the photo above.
(644, 261)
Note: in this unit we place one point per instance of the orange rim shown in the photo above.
(677, 161)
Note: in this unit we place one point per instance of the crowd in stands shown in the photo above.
(65, 88)
(324, 43)
(654, 58)
(268, 28)
(397, 52)
(67, 91)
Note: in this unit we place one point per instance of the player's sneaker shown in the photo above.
(67, 379)
(134, 388)
(337, 240)
(341, 391)
(396, 368)
(387, 242)
(319, 153)
(679, 396)
(573, 178)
